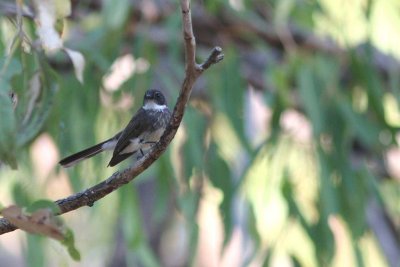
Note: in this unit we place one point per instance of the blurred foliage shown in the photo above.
(287, 156)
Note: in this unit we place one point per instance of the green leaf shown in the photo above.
(364, 128)
(228, 97)
(35, 251)
(328, 193)
(220, 177)
(43, 204)
(8, 68)
(131, 226)
(328, 205)
(22, 196)
(78, 61)
(188, 204)
(7, 131)
(147, 256)
(194, 145)
(115, 12)
(41, 110)
(367, 75)
(252, 227)
(194, 241)
(69, 242)
(310, 96)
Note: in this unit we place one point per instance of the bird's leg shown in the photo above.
(140, 156)
(141, 151)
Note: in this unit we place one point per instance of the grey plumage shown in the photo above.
(142, 132)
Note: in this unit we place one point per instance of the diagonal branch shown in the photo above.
(118, 179)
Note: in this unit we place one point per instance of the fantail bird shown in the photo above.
(142, 132)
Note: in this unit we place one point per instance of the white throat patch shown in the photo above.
(153, 106)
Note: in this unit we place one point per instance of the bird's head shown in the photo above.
(154, 99)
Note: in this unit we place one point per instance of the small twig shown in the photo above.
(215, 57)
(118, 179)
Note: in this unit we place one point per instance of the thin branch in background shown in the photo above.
(120, 178)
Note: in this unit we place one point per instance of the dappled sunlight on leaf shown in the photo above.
(392, 111)
(374, 254)
(282, 147)
(393, 159)
(263, 189)
(343, 255)
(122, 69)
(78, 61)
(228, 142)
(211, 250)
(50, 38)
(210, 229)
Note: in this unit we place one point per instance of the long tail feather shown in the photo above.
(82, 155)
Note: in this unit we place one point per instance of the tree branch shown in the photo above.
(118, 179)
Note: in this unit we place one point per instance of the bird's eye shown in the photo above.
(157, 95)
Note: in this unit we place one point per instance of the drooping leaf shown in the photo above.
(41, 110)
(194, 145)
(78, 61)
(7, 131)
(309, 94)
(367, 132)
(228, 97)
(255, 236)
(9, 67)
(294, 209)
(69, 242)
(220, 176)
(366, 75)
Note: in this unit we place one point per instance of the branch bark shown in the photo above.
(120, 178)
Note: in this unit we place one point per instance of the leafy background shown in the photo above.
(288, 154)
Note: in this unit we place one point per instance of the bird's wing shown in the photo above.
(134, 128)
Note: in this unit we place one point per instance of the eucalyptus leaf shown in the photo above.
(115, 12)
(39, 113)
(9, 67)
(69, 242)
(310, 96)
(220, 176)
(78, 61)
(43, 204)
(364, 129)
(7, 131)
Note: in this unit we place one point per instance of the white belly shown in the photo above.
(144, 142)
